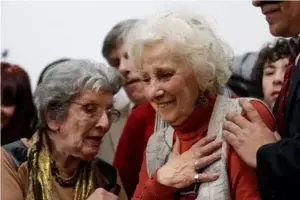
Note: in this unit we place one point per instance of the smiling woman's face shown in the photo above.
(170, 84)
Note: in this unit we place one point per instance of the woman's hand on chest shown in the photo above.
(181, 169)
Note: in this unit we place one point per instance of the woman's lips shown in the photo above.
(165, 103)
(95, 140)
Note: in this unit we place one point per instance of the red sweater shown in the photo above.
(129, 155)
(242, 178)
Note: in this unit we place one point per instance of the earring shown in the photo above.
(203, 101)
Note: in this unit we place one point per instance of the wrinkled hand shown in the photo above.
(102, 194)
(247, 136)
(180, 170)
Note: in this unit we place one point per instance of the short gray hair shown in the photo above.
(188, 36)
(117, 34)
(64, 81)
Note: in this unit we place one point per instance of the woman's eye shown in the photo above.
(89, 108)
(147, 80)
(166, 76)
(126, 55)
(115, 63)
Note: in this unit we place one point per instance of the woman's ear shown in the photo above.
(51, 121)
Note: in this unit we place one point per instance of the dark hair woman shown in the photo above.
(18, 113)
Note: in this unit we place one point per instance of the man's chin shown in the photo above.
(280, 30)
(136, 97)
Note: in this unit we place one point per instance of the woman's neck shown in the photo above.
(66, 165)
(201, 114)
(64, 162)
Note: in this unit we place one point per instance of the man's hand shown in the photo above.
(246, 136)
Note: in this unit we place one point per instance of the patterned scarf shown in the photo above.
(39, 164)
(283, 96)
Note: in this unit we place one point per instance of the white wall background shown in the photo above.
(37, 32)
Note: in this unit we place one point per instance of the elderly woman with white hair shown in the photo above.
(185, 67)
(75, 110)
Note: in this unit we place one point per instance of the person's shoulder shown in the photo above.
(8, 166)
(16, 180)
(258, 104)
(264, 112)
(261, 107)
(6, 159)
(17, 151)
(8, 163)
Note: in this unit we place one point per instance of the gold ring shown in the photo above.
(197, 178)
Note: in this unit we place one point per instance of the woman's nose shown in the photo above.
(104, 122)
(154, 90)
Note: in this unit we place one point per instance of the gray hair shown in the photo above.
(188, 36)
(64, 81)
(117, 34)
(44, 71)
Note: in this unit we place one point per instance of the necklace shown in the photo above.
(69, 182)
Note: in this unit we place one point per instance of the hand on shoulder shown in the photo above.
(248, 132)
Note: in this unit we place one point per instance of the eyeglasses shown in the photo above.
(95, 111)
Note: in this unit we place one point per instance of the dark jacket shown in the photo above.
(18, 152)
(278, 164)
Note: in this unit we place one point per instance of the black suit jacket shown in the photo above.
(278, 164)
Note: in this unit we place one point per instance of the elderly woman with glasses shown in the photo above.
(185, 67)
(75, 110)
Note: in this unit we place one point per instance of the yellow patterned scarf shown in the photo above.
(39, 164)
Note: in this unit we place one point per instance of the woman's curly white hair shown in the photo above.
(188, 36)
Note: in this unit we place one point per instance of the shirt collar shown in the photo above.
(131, 106)
(294, 44)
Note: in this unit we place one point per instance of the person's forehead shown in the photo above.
(278, 63)
(93, 96)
